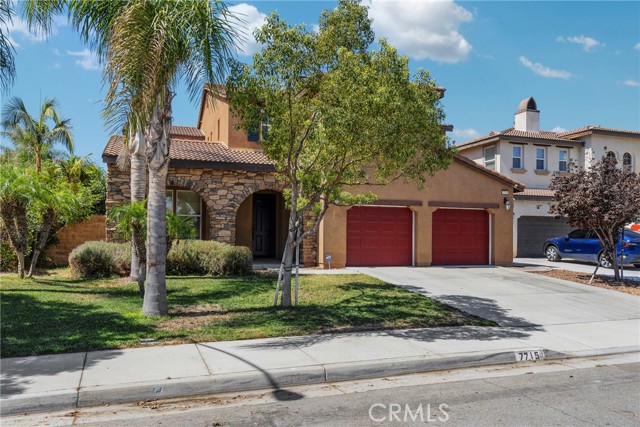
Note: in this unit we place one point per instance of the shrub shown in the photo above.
(8, 259)
(188, 257)
(208, 257)
(101, 259)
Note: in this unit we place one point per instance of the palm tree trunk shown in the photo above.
(157, 151)
(138, 189)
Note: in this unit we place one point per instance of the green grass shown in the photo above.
(58, 314)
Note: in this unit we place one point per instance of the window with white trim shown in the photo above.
(188, 204)
(490, 158)
(563, 160)
(517, 157)
(541, 159)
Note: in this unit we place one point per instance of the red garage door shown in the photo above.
(460, 236)
(379, 236)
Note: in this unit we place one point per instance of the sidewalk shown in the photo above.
(66, 381)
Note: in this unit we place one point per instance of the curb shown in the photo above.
(272, 379)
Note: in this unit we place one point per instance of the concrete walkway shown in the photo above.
(534, 313)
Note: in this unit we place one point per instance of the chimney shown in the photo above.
(528, 116)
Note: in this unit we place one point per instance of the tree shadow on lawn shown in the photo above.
(35, 326)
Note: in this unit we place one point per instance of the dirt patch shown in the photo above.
(194, 317)
(627, 286)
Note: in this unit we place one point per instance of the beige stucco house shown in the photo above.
(530, 155)
(220, 177)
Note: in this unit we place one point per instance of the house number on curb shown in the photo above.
(523, 356)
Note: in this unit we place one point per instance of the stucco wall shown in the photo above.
(458, 184)
(619, 145)
(218, 111)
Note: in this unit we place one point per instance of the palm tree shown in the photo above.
(152, 45)
(7, 64)
(36, 137)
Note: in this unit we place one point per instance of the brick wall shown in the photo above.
(73, 235)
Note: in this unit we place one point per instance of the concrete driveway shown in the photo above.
(630, 272)
(590, 316)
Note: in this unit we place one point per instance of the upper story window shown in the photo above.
(627, 162)
(517, 157)
(490, 158)
(260, 134)
(541, 159)
(611, 155)
(188, 204)
(563, 160)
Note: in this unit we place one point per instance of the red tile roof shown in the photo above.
(517, 186)
(536, 192)
(200, 153)
(597, 129)
(511, 132)
(187, 132)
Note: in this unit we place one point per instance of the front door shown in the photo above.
(264, 225)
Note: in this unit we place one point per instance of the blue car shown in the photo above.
(583, 245)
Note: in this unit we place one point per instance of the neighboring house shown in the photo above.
(531, 156)
(219, 176)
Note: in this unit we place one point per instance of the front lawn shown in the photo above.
(58, 314)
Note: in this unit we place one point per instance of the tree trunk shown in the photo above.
(140, 249)
(614, 263)
(43, 236)
(157, 153)
(287, 261)
(138, 190)
(13, 215)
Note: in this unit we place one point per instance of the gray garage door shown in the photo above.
(534, 230)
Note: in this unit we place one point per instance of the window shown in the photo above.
(517, 157)
(187, 204)
(579, 234)
(541, 163)
(627, 162)
(563, 161)
(490, 158)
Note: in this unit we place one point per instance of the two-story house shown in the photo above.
(219, 176)
(529, 155)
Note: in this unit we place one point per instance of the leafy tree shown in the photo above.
(131, 223)
(335, 112)
(36, 135)
(80, 171)
(17, 190)
(603, 198)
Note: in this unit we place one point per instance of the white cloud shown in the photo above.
(55, 51)
(56, 66)
(88, 60)
(631, 83)
(251, 19)
(588, 44)
(637, 46)
(422, 29)
(558, 129)
(543, 71)
(466, 133)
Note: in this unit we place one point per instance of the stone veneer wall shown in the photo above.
(221, 190)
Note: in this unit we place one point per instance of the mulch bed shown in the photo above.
(627, 286)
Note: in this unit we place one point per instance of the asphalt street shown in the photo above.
(575, 392)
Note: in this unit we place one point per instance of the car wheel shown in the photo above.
(603, 261)
(552, 253)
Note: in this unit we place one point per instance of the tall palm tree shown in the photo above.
(36, 136)
(7, 64)
(153, 44)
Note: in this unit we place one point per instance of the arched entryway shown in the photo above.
(261, 224)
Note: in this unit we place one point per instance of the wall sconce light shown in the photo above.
(507, 204)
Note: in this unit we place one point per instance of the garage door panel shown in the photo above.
(533, 231)
(460, 236)
(379, 236)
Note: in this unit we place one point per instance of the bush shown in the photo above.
(208, 257)
(8, 260)
(101, 259)
(188, 257)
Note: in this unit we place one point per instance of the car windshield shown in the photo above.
(631, 234)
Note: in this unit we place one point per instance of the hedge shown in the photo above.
(187, 257)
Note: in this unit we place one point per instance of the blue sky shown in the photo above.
(579, 60)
